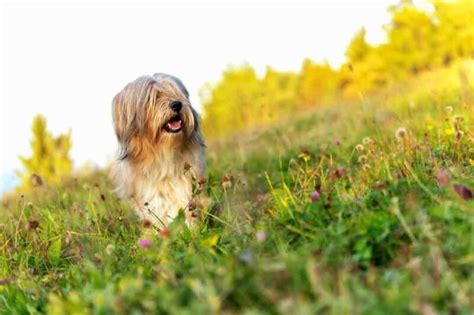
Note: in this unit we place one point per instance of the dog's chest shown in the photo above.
(162, 198)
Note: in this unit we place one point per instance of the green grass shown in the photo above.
(388, 234)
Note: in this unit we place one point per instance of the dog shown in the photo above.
(161, 147)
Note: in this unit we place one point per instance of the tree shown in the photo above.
(317, 85)
(358, 48)
(241, 100)
(49, 161)
(455, 29)
(411, 41)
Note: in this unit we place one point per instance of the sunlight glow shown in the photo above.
(67, 61)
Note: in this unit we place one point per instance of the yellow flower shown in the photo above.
(449, 131)
(429, 127)
(304, 155)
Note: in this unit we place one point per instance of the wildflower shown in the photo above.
(109, 250)
(165, 233)
(144, 243)
(463, 192)
(401, 133)
(226, 182)
(304, 154)
(210, 241)
(192, 205)
(315, 196)
(146, 223)
(449, 131)
(201, 183)
(337, 143)
(429, 127)
(260, 236)
(32, 225)
(367, 141)
(458, 118)
(359, 148)
(339, 172)
(442, 177)
(449, 109)
(362, 159)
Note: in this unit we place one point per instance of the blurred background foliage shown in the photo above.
(50, 160)
(417, 41)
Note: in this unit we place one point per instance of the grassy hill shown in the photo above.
(359, 208)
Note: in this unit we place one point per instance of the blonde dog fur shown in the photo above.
(157, 161)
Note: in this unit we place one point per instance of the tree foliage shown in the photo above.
(241, 100)
(358, 48)
(49, 161)
(417, 40)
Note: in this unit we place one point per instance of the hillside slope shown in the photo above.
(356, 208)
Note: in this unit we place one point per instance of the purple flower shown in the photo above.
(337, 142)
(260, 236)
(463, 192)
(192, 205)
(315, 196)
(144, 243)
(443, 178)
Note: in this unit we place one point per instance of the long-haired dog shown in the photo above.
(161, 147)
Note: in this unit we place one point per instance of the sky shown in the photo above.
(68, 60)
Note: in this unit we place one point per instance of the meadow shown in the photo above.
(354, 208)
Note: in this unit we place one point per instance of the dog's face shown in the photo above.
(154, 112)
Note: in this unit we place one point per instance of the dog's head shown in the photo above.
(154, 112)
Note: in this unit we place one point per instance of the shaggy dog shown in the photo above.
(161, 147)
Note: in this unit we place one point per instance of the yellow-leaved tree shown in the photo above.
(50, 161)
(318, 84)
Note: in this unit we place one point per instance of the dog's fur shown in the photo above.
(155, 167)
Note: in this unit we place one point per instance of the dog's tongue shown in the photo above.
(174, 124)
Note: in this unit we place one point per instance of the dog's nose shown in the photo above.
(176, 106)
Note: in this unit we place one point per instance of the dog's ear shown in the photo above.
(124, 128)
(129, 111)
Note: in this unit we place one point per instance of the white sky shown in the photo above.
(67, 61)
